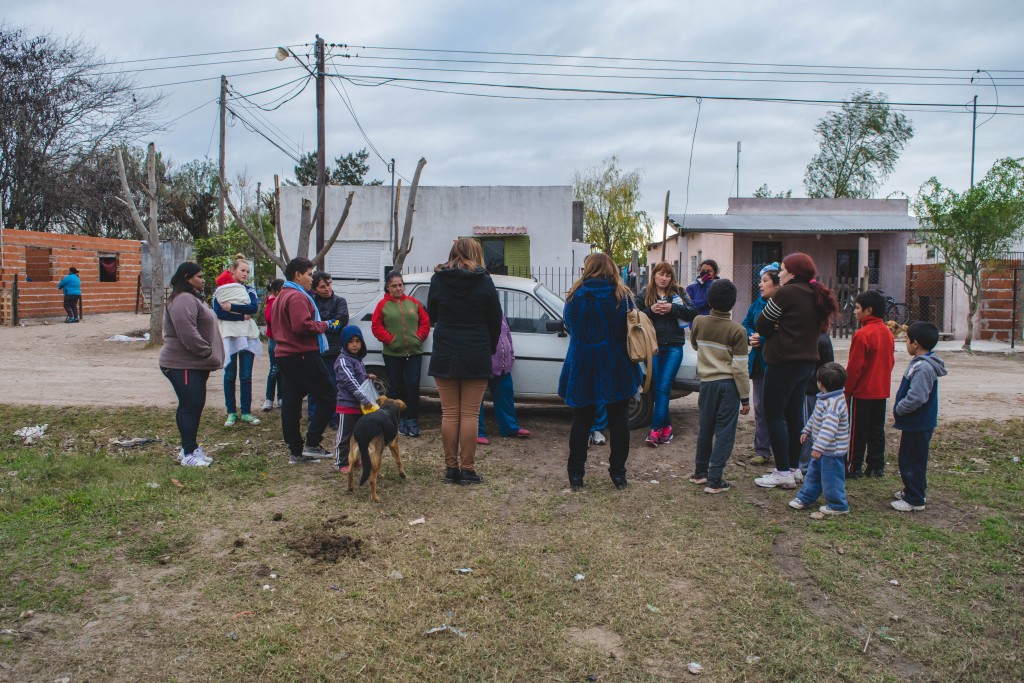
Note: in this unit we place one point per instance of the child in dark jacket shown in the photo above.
(350, 374)
(916, 412)
(868, 379)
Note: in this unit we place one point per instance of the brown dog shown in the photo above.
(896, 329)
(372, 432)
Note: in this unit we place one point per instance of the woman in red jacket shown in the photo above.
(402, 325)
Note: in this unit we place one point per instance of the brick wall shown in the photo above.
(995, 315)
(49, 255)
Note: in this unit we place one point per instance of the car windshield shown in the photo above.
(551, 300)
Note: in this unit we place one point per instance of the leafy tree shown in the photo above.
(859, 146)
(764, 193)
(192, 197)
(971, 227)
(216, 251)
(59, 108)
(610, 217)
(350, 169)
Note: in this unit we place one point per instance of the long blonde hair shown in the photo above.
(652, 288)
(599, 266)
(466, 253)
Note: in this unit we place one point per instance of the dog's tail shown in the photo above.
(364, 455)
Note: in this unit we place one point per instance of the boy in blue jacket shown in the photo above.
(350, 374)
(917, 412)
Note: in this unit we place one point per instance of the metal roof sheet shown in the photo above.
(790, 223)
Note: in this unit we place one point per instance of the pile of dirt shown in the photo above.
(325, 546)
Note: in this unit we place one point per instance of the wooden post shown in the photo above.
(223, 151)
(664, 229)
(14, 301)
(321, 150)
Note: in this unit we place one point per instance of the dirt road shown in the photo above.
(64, 365)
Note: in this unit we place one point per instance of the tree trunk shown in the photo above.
(305, 226)
(156, 292)
(407, 239)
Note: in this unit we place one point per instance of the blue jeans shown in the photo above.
(600, 419)
(913, 462)
(666, 365)
(718, 410)
(503, 396)
(826, 475)
(240, 364)
(274, 376)
(190, 387)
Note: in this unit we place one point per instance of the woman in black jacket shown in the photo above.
(464, 306)
(669, 308)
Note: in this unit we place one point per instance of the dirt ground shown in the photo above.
(65, 365)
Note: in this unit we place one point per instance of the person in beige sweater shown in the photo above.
(721, 346)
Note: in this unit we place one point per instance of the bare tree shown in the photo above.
(405, 246)
(150, 232)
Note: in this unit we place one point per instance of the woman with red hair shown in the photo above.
(795, 316)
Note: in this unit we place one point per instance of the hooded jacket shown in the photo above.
(917, 400)
(334, 308)
(667, 326)
(698, 293)
(597, 368)
(401, 325)
(191, 335)
(350, 372)
(464, 306)
(869, 366)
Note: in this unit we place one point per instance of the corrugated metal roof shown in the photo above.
(812, 223)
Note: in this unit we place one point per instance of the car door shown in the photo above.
(420, 292)
(539, 352)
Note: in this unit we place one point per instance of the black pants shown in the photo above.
(404, 382)
(346, 425)
(913, 461)
(71, 304)
(784, 386)
(618, 436)
(190, 387)
(867, 427)
(305, 374)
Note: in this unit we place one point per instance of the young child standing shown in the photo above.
(721, 346)
(349, 373)
(916, 412)
(868, 379)
(828, 430)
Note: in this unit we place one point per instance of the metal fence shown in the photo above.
(556, 279)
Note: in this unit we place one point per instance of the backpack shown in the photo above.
(641, 341)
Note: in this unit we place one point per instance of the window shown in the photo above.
(524, 313)
(108, 268)
(761, 254)
(37, 264)
(847, 266)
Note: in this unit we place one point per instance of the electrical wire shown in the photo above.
(190, 111)
(249, 125)
(689, 168)
(355, 118)
(270, 127)
(216, 78)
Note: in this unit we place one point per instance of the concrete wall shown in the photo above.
(41, 298)
(172, 254)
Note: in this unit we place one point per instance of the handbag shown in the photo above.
(641, 341)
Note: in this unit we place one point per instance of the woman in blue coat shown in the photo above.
(698, 291)
(597, 368)
(71, 285)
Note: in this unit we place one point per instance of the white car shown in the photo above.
(539, 340)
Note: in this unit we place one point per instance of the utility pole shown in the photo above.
(737, 169)
(223, 152)
(974, 134)
(321, 149)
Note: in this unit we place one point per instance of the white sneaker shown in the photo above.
(776, 478)
(797, 505)
(826, 510)
(798, 476)
(195, 461)
(268, 405)
(197, 453)
(903, 506)
(898, 495)
(597, 439)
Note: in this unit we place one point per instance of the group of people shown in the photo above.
(815, 420)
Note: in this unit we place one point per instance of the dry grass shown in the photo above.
(132, 583)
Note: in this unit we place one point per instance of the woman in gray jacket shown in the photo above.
(192, 349)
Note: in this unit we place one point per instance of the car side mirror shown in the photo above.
(556, 326)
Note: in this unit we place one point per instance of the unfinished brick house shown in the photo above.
(109, 270)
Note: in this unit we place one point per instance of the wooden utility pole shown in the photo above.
(223, 151)
(321, 150)
(664, 228)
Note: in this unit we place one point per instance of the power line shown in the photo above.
(689, 168)
(216, 78)
(270, 126)
(249, 125)
(190, 111)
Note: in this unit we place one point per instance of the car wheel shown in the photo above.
(641, 408)
(381, 383)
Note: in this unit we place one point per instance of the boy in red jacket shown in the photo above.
(868, 383)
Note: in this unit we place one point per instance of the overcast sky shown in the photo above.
(470, 140)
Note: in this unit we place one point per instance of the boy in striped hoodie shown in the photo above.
(829, 432)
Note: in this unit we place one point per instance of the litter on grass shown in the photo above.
(695, 668)
(395, 575)
(579, 577)
(126, 338)
(32, 434)
(418, 520)
(652, 609)
(134, 442)
(153, 485)
(463, 570)
(446, 627)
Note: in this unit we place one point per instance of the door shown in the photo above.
(539, 352)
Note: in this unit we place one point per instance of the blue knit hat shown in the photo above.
(347, 333)
(769, 268)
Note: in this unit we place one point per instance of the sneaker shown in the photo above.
(413, 428)
(343, 469)
(856, 474)
(760, 460)
(898, 495)
(826, 510)
(193, 460)
(248, 418)
(576, 485)
(198, 453)
(797, 505)
(268, 405)
(620, 483)
(653, 439)
(877, 473)
(316, 453)
(483, 440)
(232, 419)
(903, 506)
(403, 426)
(452, 475)
(717, 486)
(776, 478)
(522, 433)
(798, 476)
(300, 459)
(665, 435)
(280, 403)
(596, 439)
(467, 477)
(698, 479)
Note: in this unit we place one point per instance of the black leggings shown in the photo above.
(71, 304)
(190, 386)
(784, 387)
(618, 436)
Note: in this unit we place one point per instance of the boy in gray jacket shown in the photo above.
(828, 431)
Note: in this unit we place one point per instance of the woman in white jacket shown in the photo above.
(235, 304)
